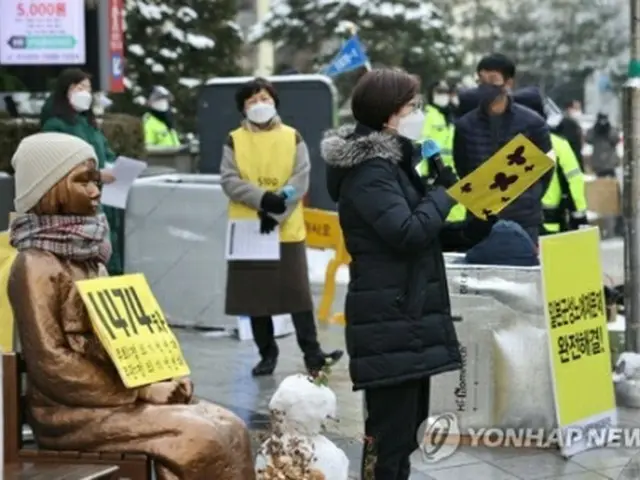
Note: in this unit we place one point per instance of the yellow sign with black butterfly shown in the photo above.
(503, 178)
(131, 327)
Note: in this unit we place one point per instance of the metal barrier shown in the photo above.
(175, 235)
(177, 158)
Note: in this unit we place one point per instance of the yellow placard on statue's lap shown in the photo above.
(7, 256)
(578, 335)
(133, 330)
(503, 178)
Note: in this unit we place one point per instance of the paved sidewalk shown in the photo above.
(221, 370)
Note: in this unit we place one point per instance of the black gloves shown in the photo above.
(446, 178)
(267, 223)
(477, 229)
(577, 220)
(273, 203)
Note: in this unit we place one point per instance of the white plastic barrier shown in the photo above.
(501, 382)
(175, 235)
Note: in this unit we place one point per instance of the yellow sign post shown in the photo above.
(578, 335)
(129, 322)
(324, 232)
(503, 178)
(7, 256)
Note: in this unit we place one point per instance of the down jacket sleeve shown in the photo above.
(380, 202)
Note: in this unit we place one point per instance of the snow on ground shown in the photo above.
(318, 261)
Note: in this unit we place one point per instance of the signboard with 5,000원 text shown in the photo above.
(578, 336)
(133, 329)
(42, 33)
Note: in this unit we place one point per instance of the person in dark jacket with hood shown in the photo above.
(399, 328)
(497, 120)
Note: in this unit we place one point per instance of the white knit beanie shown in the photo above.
(41, 161)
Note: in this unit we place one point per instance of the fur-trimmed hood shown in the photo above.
(351, 145)
(347, 147)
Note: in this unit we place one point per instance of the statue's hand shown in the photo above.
(184, 392)
(160, 393)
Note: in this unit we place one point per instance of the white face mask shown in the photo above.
(160, 105)
(80, 100)
(411, 126)
(261, 113)
(441, 99)
(455, 101)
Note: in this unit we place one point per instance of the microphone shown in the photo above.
(431, 151)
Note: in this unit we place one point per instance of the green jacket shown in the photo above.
(83, 129)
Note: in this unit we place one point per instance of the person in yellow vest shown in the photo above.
(265, 173)
(159, 131)
(438, 126)
(564, 202)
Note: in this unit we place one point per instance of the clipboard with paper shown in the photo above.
(245, 242)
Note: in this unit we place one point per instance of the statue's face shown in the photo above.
(76, 194)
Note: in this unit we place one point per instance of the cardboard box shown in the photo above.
(603, 196)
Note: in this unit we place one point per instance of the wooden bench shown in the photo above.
(29, 471)
(131, 466)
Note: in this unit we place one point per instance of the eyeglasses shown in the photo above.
(417, 104)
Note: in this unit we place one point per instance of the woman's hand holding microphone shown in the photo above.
(276, 204)
(443, 176)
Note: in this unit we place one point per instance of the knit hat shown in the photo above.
(41, 161)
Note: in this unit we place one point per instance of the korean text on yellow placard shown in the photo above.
(577, 325)
(134, 332)
(7, 256)
(503, 178)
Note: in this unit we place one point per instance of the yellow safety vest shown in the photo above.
(436, 129)
(267, 159)
(567, 161)
(157, 134)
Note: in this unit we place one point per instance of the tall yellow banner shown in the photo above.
(578, 336)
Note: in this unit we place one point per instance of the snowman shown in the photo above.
(295, 448)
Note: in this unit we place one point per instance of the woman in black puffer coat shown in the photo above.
(399, 327)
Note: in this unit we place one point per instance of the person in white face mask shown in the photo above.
(399, 326)
(265, 173)
(158, 124)
(69, 109)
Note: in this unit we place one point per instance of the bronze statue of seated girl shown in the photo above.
(75, 399)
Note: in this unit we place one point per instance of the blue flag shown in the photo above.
(350, 57)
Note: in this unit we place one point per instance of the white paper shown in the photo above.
(245, 242)
(126, 170)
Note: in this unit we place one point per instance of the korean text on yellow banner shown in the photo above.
(578, 336)
(129, 322)
(503, 178)
(7, 256)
